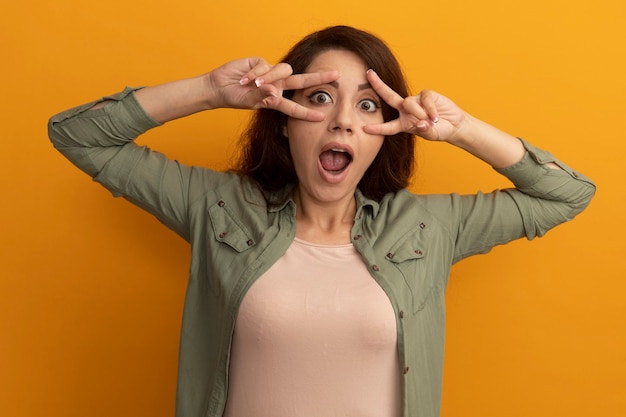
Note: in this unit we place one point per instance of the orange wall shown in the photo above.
(91, 288)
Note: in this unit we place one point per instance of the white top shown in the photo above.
(315, 336)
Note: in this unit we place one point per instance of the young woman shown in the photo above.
(317, 280)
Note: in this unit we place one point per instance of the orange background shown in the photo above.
(91, 288)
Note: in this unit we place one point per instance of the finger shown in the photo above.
(427, 98)
(258, 67)
(383, 90)
(385, 129)
(412, 105)
(300, 81)
(427, 130)
(272, 75)
(293, 109)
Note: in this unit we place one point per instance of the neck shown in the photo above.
(324, 223)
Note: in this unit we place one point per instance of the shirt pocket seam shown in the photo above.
(410, 257)
(228, 229)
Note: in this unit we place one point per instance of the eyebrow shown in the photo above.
(365, 86)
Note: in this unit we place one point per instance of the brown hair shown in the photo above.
(265, 154)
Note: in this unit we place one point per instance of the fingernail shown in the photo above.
(244, 81)
(435, 120)
(259, 82)
(422, 125)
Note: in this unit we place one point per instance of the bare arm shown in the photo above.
(435, 117)
(497, 148)
(249, 83)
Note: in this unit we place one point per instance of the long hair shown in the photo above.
(265, 154)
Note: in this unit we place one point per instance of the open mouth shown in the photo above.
(335, 160)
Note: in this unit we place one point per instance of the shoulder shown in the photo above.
(403, 211)
(205, 183)
(405, 202)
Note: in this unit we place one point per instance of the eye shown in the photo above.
(368, 105)
(320, 97)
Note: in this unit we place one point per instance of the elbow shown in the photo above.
(53, 134)
(63, 141)
(582, 200)
(57, 135)
(588, 196)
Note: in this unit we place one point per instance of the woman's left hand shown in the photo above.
(428, 114)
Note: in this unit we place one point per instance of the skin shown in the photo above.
(325, 204)
(325, 200)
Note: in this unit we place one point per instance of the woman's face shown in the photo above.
(331, 157)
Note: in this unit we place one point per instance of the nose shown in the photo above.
(342, 119)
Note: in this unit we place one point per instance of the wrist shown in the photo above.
(209, 91)
(465, 135)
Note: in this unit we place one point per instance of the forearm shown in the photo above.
(88, 135)
(131, 113)
(488, 143)
(542, 199)
(173, 100)
(553, 195)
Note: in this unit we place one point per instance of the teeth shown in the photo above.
(338, 150)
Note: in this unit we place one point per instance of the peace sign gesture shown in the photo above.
(428, 114)
(253, 83)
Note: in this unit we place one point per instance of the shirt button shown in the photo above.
(250, 242)
(418, 252)
(221, 203)
(390, 255)
(575, 174)
(422, 226)
(223, 235)
(375, 267)
(401, 314)
(357, 237)
(405, 370)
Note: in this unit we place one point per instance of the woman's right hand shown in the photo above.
(252, 83)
